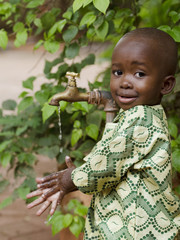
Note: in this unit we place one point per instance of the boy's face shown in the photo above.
(136, 77)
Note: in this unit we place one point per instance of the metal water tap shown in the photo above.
(72, 94)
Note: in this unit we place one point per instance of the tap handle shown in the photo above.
(72, 78)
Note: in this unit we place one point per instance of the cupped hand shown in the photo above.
(52, 188)
(59, 181)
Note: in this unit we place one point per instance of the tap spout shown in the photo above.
(71, 94)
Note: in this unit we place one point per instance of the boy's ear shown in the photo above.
(168, 84)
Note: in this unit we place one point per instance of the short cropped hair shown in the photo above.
(165, 44)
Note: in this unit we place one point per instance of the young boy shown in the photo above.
(129, 170)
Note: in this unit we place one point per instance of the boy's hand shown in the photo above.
(53, 188)
(46, 203)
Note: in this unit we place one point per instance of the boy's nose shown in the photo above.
(125, 83)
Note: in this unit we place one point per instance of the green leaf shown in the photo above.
(95, 117)
(76, 135)
(83, 106)
(78, 155)
(76, 226)
(63, 105)
(175, 160)
(48, 19)
(23, 94)
(30, 182)
(4, 145)
(86, 2)
(29, 83)
(77, 124)
(25, 103)
(173, 130)
(101, 5)
(77, 4)
(38, 22)
(68, 14)
(99, 21)
(70, 33)
(92, 131)
(7, 134)
(72, 204)
(102, 31)
(52, 219)
(110, 14)
(51, 152)
(3, 185)
(88, 19)
(81, 210)
(24, 171)
(38, 44)
(6, 202)
(67, 220)
(50, 140)
(86, 146)
(21, 130)
(90, 33)
(21, 38)
(9, 105)
(175, 16)
(3, 39)
(30, 17)
(61, 24)
(47, 111)
(90, 59)
(57, 224)
(50, 65)
(176, 33)
(5, 158)
(23, 191)
(28, 158)
(35, 3)
(52, 30)
(178, 139)
(18, 27)
(72, 51)
(42, 96)
(51, 46)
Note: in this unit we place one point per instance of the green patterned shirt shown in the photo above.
(129, 174)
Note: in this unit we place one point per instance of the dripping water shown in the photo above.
(60, 129)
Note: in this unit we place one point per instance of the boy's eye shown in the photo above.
(140, 74)
(117, 72)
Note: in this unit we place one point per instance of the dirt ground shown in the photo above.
(16, 221)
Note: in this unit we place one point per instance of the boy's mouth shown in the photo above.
(126, 99)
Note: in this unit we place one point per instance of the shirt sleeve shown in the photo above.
(112, 158)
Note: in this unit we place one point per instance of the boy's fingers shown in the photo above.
(47, 178)
(45, 205)
(39, 180)
(34, 193)
(47, 184)
(53, 207)
(61, 196)
(36, 202)
(69, 162)
(49, 193)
